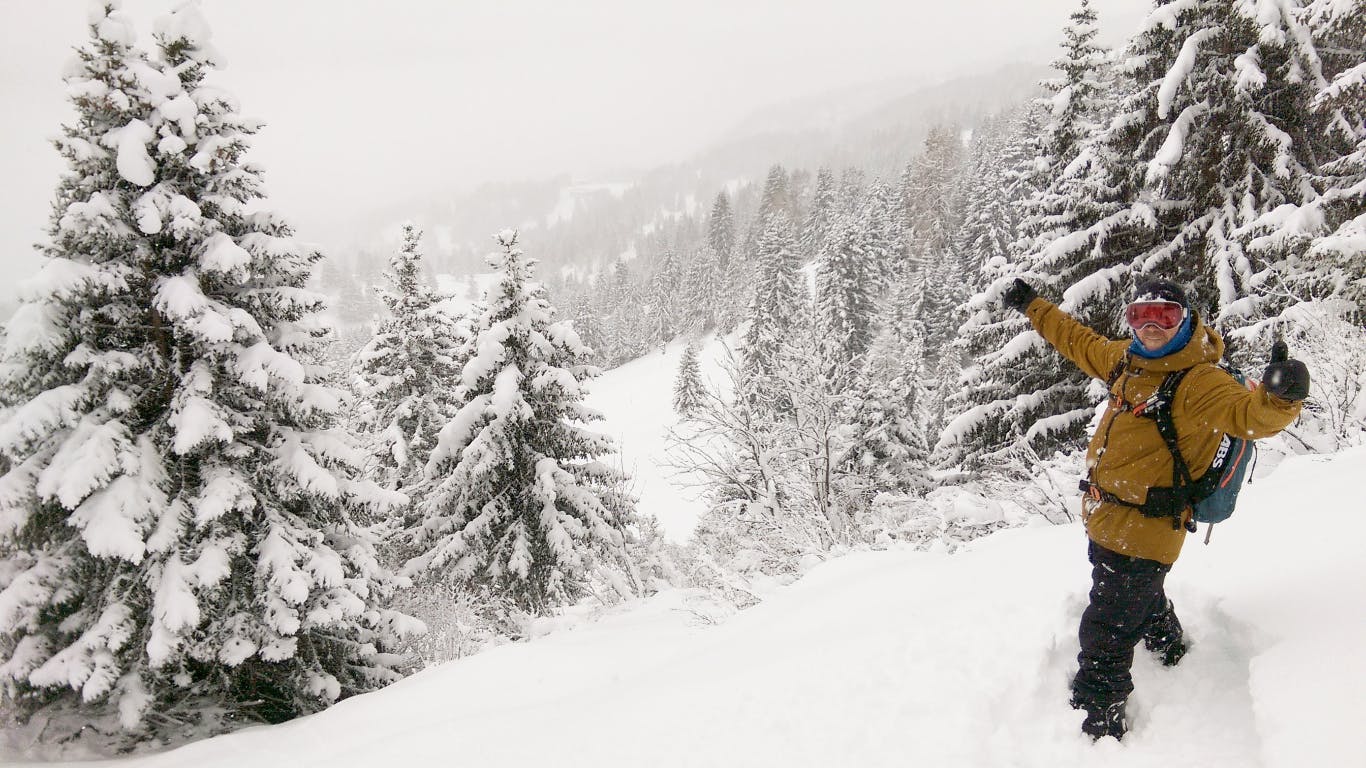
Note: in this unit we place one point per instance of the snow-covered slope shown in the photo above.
(898, 657)
(637, 401)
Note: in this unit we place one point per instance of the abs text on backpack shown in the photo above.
(1213, 496)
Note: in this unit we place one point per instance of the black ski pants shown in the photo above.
(1127, 602)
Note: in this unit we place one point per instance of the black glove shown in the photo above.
(1286, 379)
(1018, 295)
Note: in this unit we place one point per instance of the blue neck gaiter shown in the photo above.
(1178, 341)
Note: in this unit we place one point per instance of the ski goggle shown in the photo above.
(1163, 314)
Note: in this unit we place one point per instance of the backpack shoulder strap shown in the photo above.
(1159, 409)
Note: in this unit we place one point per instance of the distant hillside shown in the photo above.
(583, 224)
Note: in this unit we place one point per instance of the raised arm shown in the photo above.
(1093, 353)
(1219, 401)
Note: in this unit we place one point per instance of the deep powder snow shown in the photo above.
(896, 657)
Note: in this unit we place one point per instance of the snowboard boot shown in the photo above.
(1163, 636)
(1103, 719)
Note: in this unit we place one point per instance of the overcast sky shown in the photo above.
(370, 102)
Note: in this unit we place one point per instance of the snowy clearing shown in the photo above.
(637, 401)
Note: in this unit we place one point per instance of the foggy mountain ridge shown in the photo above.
(583, 224)
(828, 110)
(872, 107)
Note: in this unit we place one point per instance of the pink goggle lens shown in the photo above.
(1164, 314)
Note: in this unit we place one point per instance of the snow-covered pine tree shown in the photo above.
(521, 501)
(580, 310)
(702, 289)
(178, 518)
(779, 300)
(820, 217)
(737, 280)
(625, 329)
(1074, 108)
(845, 302)
(405, 377)
(1341, 25)
(990, 222)
(849, 198)
(885, 242)
(666, 308)
(735, 286)
(799, 181)
(688, 387)
(1209, 139)
(889, 446)
(929, 195)
(776, 199)
(721, 229)
(1218, 125)
(1313, 252)
(932, 193)
(1003, 162)
(1315, 247)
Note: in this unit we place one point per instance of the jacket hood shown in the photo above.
(1205, 346)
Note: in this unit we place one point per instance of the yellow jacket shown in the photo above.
(1127, 456)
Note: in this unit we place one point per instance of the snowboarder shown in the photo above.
(1132, 552)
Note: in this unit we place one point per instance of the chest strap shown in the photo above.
(1161, 503)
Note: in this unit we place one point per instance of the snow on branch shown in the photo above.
(1180, 70)
(1170, 153)
(1058, 422)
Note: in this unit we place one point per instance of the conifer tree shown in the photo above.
(626, 331)
(1315, 247)
(734, 290)
(779, 300)
(1341, 106)
(1209, 139)
(1058, 180)
(890, 447)
(701, 290)
(932, 193)
(845, 298)
(1074, 109)
(989, 228)
(521, 502)
(406, 374)
(820, 218)
(721, 229)
(737, 279)
(179, 514)
(776, 199)
(688, 387)
(853, 183)
(928, 192)
(1217, 127)
(666, 297)
(881, 221)
(581, 312)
